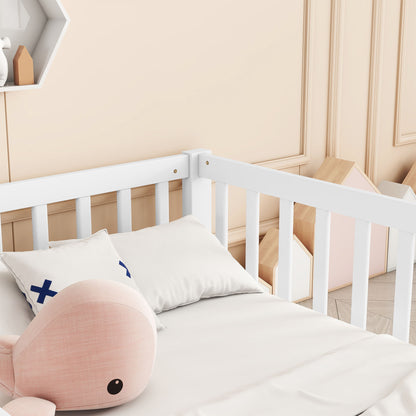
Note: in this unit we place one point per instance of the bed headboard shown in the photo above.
(197, 169)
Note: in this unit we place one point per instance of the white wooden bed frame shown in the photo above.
(197, 169)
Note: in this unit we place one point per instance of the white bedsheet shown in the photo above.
(219, 347)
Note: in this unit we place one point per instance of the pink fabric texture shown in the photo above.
(92, 346)
(30, 406)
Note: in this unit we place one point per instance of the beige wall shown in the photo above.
(276, 82)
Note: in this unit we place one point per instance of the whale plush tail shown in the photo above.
(6, 363)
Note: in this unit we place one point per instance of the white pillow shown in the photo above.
(180, 263)
(41, 274)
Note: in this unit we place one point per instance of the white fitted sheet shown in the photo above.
(220, 346)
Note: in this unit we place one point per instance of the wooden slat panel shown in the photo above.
(124, 223)
(83, 210)
(56, 188)
(252, 233)
(40, 227)
(355, 203)
(162, 203)
(221, 213)
(284, 283)
(321, 261)
(361, 268)
(404, 284)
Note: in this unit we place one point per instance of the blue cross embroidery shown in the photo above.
(43, 291)
(127, 270)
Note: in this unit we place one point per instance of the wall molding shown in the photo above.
(335, 78)
(374, 85)
(410, 137)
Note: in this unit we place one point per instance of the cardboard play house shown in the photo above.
(269, 266)
(346, 173)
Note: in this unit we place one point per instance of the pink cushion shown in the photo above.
(92, 346)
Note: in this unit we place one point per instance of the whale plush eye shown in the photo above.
(115, 386)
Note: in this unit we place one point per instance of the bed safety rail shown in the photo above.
(364, 207)
(197, 169)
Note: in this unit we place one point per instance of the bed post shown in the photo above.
(196, 191)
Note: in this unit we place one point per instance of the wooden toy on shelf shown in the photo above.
(347, 173)
(23, 67)
(269, 265)
(401, 191)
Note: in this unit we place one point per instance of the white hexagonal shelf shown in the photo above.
(37, 24)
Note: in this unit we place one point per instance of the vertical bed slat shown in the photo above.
(362, 240)
(252, 233)
(162, 203)
(83, 210)
(221, 213)
(124, 211)
(40, 227)
(1, 238)
(321, 260)
(404, 284)
(284, 284)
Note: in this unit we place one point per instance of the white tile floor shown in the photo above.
(380, 305)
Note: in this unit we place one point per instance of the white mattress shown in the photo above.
(219, 346)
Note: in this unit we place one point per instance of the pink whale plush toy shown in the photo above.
(92, 346)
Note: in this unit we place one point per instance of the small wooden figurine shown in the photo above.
(23, 67)
(269, 265)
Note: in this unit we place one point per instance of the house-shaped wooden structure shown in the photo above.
(269, 266)
(23, 67)
(410, 179)
(346, 173)
(401, 191)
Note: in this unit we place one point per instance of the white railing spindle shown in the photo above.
(362, 240)
(404, 284)
(252, 233)
(284, 283)
(83, 213)
(1, 238)
(124, 211)
(221, 213)
(40, 227)
(321, 260)
(162, 203)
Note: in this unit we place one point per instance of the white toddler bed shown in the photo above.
(253, 353)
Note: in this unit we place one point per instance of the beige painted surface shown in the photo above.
(275, 82)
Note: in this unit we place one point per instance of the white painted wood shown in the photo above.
(404, 284)
(284, 284)
(351, 202)
(162, 203)
(321, 260)
(124, 211)
(196, 190)
(361, 273)
(252, 233)
(56, 188)
(221, 213)
(83, 210)
(1, 237)
(40, 228)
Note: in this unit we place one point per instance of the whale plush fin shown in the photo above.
(32, 406)
(6, 363)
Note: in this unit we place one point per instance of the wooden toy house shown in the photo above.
(23, 67)
(401, 191)
(269, 265)
(346, 173)
(410, 179)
